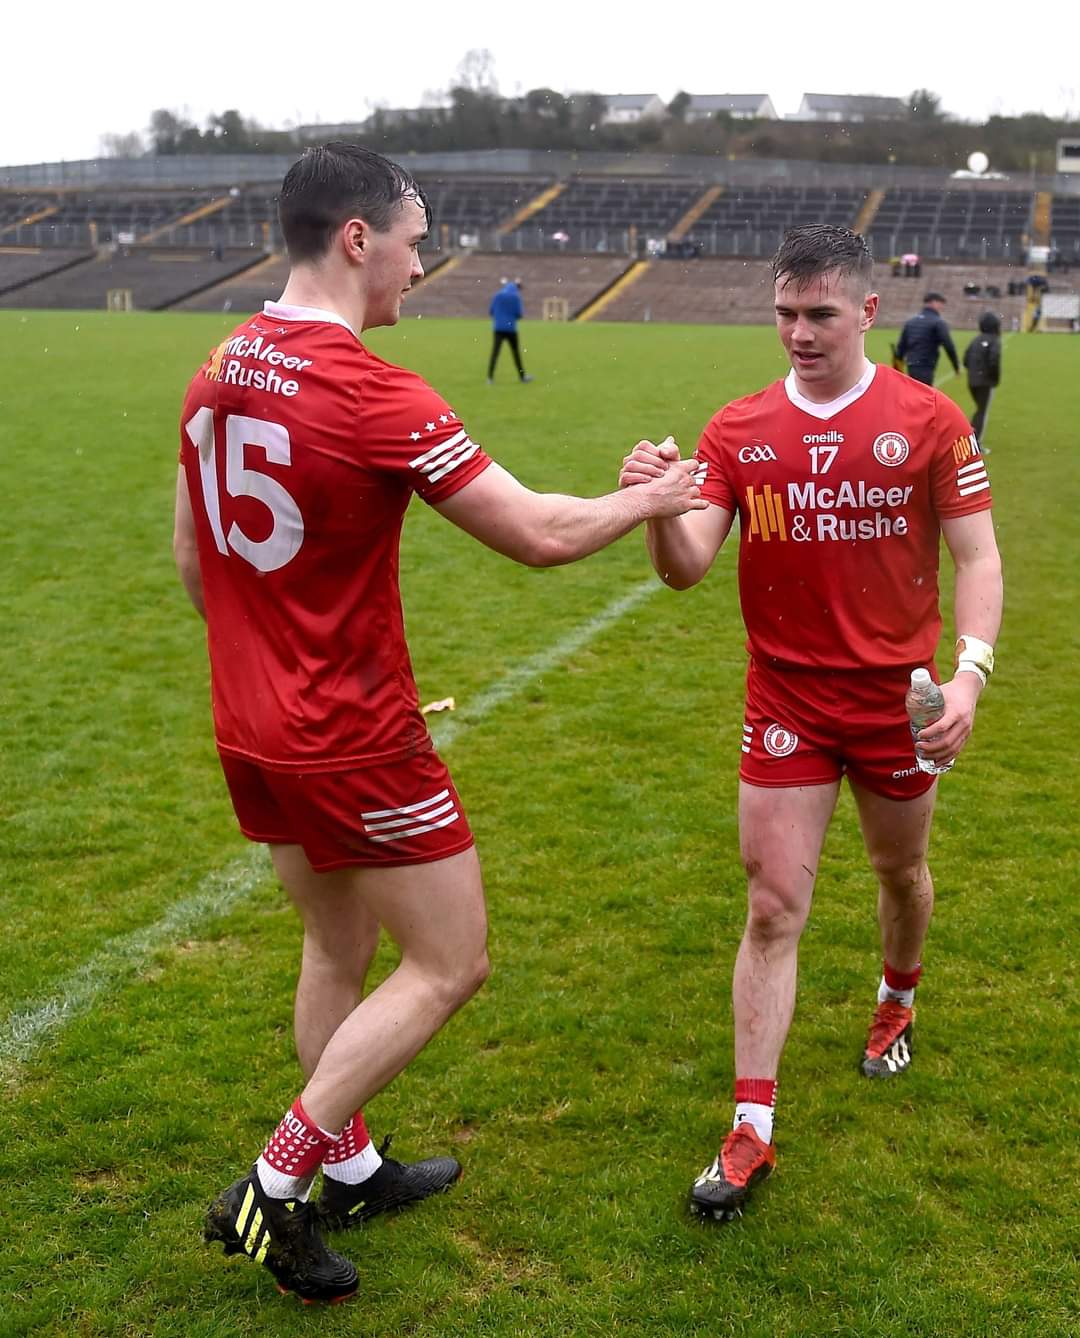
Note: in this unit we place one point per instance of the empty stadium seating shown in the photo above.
(1065, 227)
(20, 265)
(752, 221)
(214, 248)
(952, 224)
(464, 287)
(156, 277)
(737, 292)
(596, 213)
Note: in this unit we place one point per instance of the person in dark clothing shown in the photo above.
(982, 359)
(506, 310)
(921, 339)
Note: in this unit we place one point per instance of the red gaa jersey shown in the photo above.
(839, 509)
(302, 451)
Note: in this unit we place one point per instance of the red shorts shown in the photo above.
(404, 812)
(810, 726)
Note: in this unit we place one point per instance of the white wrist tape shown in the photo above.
(971, 653)
(970, 667)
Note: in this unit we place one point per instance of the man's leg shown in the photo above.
(340, 938)
(435, 913)
(781, 833)
(981, 395)
(515, 349)
(496, 345)
(897, 837)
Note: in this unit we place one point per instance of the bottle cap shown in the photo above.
(920, 678)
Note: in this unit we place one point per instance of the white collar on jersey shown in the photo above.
(281, 311)
(833, 407)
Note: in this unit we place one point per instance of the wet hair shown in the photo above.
(333, 182)
(809, 252)
(989, 323)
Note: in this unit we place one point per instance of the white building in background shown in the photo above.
(741, 106)
(849, 108)
(1068, 155)
(626, 108)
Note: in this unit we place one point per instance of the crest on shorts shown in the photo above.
(780, 741)
(891, 448)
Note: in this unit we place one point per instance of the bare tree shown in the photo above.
(129, 145)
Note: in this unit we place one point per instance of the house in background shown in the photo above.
(850, 109)
(626, 108)
(741, 106)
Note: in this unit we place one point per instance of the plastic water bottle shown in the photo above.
(925, 703)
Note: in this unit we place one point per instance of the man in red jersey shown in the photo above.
(300, 451)
(844, 476)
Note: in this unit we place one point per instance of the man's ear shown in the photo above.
(869, 312)
(355, 234)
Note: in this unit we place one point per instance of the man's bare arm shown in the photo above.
(978, 602)
(548, 529)
(185, 550)
(681, 548)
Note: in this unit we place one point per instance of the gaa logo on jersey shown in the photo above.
(779, 741)
(757, 454)
(891, 449)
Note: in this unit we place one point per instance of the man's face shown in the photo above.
(821, 327)
(393, 263)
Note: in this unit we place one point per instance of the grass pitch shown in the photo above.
(146, 1051)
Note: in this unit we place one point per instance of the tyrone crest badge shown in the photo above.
(891, 448)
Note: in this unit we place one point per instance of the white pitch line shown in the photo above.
(218, 892)
(24, 1030)
(536, 665)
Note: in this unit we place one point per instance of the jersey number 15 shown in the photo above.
(287, 533)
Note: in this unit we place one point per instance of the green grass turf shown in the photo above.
(590, 1080)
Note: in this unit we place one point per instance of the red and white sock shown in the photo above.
(295, 1152)
(899, 986)
(353, 1158)
(755, 1100)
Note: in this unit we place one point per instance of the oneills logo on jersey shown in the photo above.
(446, 457)
(766, 510)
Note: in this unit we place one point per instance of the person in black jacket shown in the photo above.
(982, 358)
(922, 337)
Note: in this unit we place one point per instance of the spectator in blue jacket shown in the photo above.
(506, 310)
(921, 339)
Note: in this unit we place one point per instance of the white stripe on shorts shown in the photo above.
(406, 808)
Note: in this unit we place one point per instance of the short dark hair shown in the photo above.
(808, 252)
(332, 182)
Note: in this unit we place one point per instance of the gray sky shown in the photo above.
(73, 75)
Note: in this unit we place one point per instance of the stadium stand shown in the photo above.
(1065, 227)
(597, 213)
(21, 265)
(261, 282)
(464, 285)
(951, 224)
(92, 218)
(218, 247)
(752, 221)
(157, 277)
(739, 292)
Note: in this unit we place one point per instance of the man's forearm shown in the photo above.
(573, 527)
(978, 598)
(675, 553)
